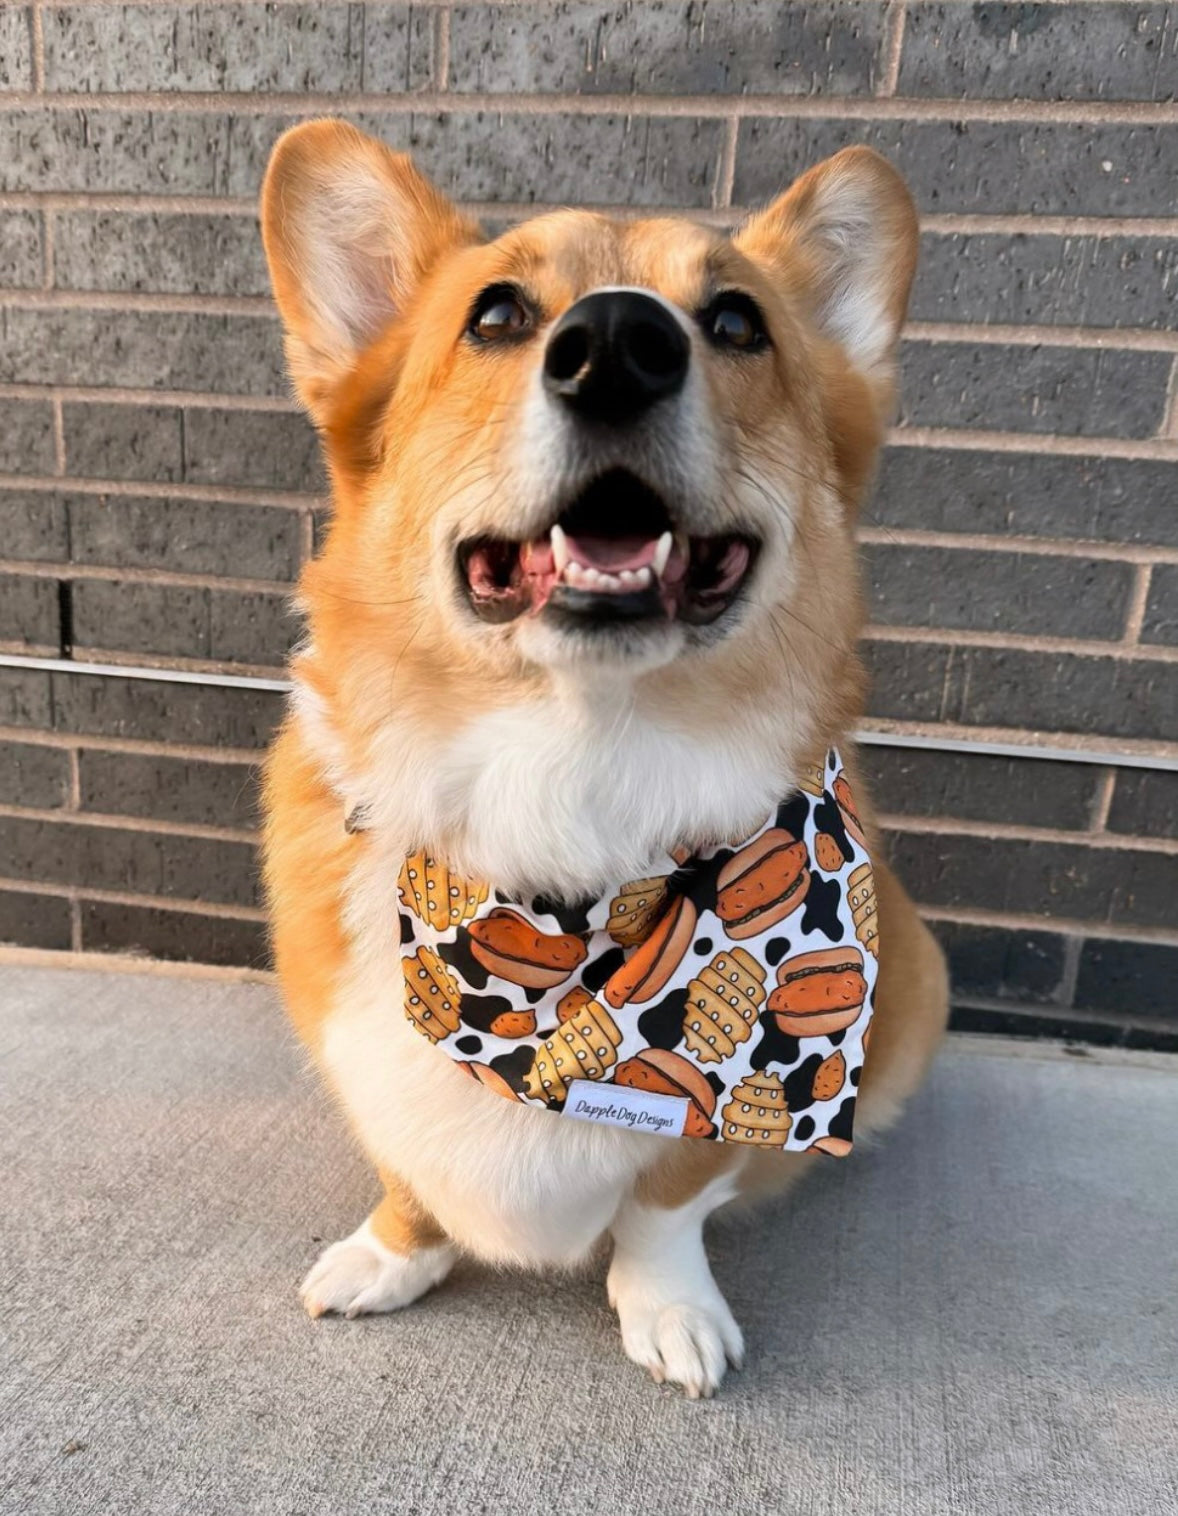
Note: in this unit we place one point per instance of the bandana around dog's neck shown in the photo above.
(727, 996)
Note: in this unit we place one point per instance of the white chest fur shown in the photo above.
(550, 796)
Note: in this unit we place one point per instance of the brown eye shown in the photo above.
(499, 314)
(734, 320)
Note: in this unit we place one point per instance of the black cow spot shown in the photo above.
(503, 898)
(775, 1046)
(470, 1045)
(459, 956)
(595, 973)
(408, 930)
(804, 1129)
(479, 1011)
(855, 1076)
(573, 915)
(514, 1067)
(840, 1125)
(822, 907)
(661, 1026)
(775, 950)
(716, 1083)
(533, 997)
(697, 879)
(835, 1038)
(792, 814)
(702, 945)
(799, 1083)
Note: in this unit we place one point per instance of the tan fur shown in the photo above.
(400, 1221)
(374, 273)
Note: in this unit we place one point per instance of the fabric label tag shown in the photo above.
(616, 1105)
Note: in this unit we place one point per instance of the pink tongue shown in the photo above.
(612, 554)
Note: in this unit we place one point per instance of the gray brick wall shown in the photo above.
(159, 494)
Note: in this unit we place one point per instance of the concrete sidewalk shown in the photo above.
(978, 1317)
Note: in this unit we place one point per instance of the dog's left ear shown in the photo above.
(844, 239)
(350, 228)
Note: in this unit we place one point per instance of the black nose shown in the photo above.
(613, 354)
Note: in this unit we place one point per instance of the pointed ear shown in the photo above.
(349, 229)
(845, 237)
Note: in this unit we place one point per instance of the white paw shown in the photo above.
(687, 1341)
(360, 1274)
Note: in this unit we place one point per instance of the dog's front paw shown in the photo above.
(688, 1341)
(360, 1275)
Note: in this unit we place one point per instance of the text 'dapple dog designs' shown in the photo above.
(731, 988)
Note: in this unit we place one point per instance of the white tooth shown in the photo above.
(642, 577)
(574, 573)
(662, 552)
(610, 582)
(560, 549)
(628, 578)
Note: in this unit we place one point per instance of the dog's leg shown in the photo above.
(395, 1256)
(674, 1320)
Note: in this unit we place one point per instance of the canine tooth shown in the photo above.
(662, 552)
(560, 549)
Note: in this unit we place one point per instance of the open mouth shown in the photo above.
(615, 553)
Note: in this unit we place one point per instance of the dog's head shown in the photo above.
(592, 446)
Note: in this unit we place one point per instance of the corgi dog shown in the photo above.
(589, 597)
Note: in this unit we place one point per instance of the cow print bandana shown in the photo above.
(727, 996)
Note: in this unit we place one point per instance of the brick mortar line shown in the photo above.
(94, 961)
(850, 5)
(892, 44)
(48, 272)
(76, 924)
(726, 175)
(1138, 603)
(939, 223)
(39, 569)
(1141, 748)
(37, 40)
(60, 463)
(1142, 558)
(83, 742)
(138, 300)
(1038, 547)
(962, 439)
(1029, 643)
(557, 103)
(1031, 225)
(149, 489)
(1026, 334)
(128, 897)
(1169, 427)
(1002, 831)
(1028, 743)
(84, 394)
(121, 658)
(75, 798)
(114, 822)
(1025, 224)
(29, 649)
(1022, 334)
(101, 200)
(1103, 801)
(1061, 926)
(442, 64)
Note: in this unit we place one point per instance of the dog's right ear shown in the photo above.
(349, 229)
